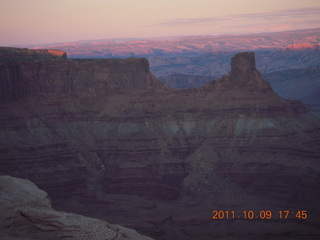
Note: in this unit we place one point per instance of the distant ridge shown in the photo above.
(11, 53)
(185, 45)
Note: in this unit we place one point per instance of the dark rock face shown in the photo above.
(161, 160)
(243, 63)
(82, 78)
(243, 78)
(244, 72)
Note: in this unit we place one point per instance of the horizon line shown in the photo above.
(172, 37)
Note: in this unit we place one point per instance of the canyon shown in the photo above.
(106, 139)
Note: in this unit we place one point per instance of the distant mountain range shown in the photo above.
(216, 63)
(188, 46)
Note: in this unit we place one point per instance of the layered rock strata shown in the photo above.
(122, 147)
(77, 78)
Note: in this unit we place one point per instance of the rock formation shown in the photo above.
(82, 78)
(244, 72)
(26, 213)
(119, 146)
(243, 75)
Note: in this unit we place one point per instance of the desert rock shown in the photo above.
(26, 214)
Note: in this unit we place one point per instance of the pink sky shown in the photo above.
(47, 21)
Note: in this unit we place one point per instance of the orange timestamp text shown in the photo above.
(263, 214)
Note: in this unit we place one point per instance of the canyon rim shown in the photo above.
(106, 139)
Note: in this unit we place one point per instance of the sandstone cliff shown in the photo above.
(58, 76)
(161, 160)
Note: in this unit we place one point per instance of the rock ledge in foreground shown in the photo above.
(26, 214)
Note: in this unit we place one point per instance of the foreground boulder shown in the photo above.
(26, 213)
